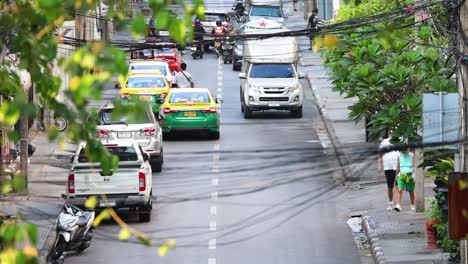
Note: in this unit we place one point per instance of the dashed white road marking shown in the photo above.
(214, 196)
(214, 182)
(212, 243)
(211, 260)
(213, 210)
(212, 225)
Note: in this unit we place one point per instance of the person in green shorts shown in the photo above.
(405, 171)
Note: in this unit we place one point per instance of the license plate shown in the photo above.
(107, 203)
(193, 48)
(164, 33)
(217, 44)
(273, 103)
(146, 97)
(124, 134)
(190, 114)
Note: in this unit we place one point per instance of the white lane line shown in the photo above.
(214, 196)
(212, 225)
(213, 210)
(214, 182)
(212, 243)
(211, 260)
(216, 146)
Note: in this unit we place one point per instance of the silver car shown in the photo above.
(144, 129)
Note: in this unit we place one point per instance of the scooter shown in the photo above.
(196, 50)
(74, 228)
(227, 49)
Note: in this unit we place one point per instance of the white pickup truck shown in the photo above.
(127, 187)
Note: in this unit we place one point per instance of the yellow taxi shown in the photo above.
(148, 87)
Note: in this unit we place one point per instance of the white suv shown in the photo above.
(145, 130)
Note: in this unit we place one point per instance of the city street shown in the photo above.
(263, 193)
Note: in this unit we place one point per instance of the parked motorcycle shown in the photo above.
(227, 49)
(60, 123)
(196, 49)
(217, 47)
(74, 228)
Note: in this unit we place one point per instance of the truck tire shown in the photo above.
(297, 113)
(247, 112)
(144, 214)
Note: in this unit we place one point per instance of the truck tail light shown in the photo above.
(170, 110)
(125, 96)
(71, 183)
(141, 181)
(209, 110)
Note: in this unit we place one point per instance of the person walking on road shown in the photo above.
(295, 4)
(405, 171)
(312, 25)
(183, 79)
(388, 160)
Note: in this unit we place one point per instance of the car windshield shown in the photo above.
(212, 17)
(266, 11)
(146, 82)
(123, 153)
(105, 117)
(272, 71)
(183, 97)
(166, 51)
(148, 67)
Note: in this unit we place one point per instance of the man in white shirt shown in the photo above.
(388, 160)
(183, 79)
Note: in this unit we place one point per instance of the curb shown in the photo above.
(330, 128)
(48, 244)
(376, 249)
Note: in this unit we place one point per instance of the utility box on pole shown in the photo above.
(441, 120)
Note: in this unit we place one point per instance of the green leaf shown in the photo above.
(31, 229)
(138, 26)
(18, 183)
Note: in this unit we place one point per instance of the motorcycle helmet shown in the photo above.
(218, 22)
(197, 22)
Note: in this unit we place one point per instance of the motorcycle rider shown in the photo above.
(198, 32)
(239, 8)
(218, 30)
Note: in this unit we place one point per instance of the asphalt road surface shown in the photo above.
(263, 193)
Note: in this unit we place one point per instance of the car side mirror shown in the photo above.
(302, 75)
(242, 75)
(219, 101)
(72, 159)
(146, 156)
(117, 86)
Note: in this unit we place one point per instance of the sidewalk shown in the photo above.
(401, 237)
(48, 170)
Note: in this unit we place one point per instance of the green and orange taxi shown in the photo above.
(149, 87)
(190, 109)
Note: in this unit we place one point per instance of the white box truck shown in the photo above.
(269, 77)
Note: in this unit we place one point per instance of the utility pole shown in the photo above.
(418, 172)
(26, 85)
(462, 83)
